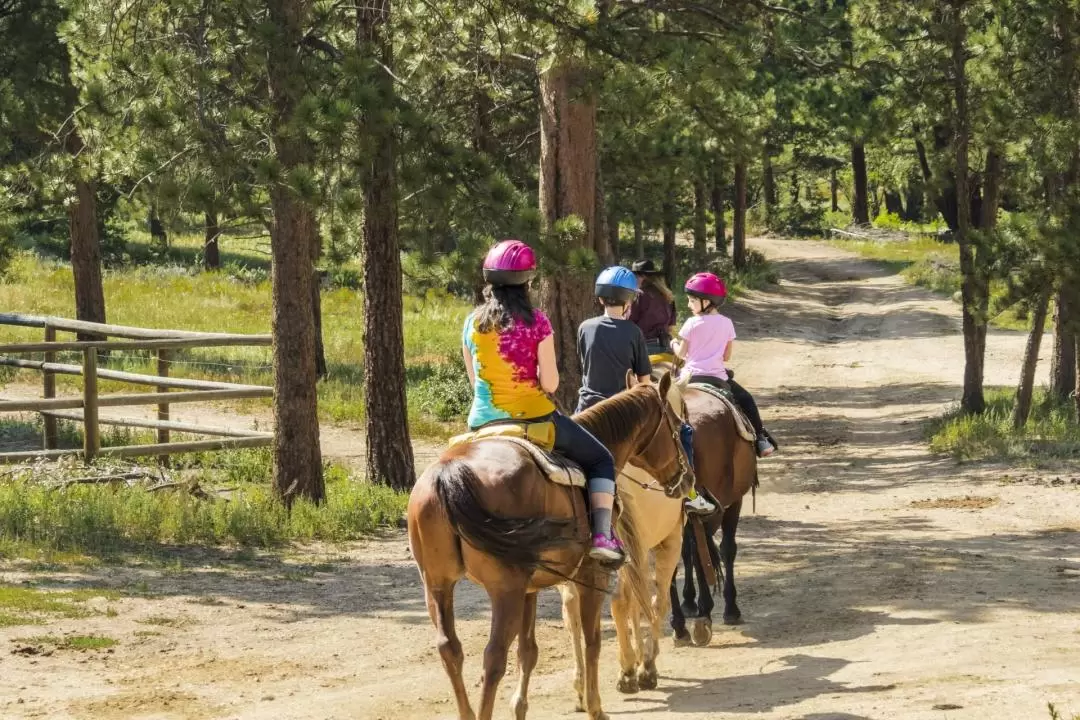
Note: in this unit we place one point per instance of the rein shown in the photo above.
(684, 466)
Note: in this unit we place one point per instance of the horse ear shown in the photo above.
(665, 384)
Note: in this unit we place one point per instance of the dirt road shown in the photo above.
(877, 581)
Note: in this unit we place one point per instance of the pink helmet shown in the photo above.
(707, 287)
(510, 262)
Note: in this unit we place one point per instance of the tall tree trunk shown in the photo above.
(568, 188)
(860, 208)
(1063, 365)
(211, 235)
(604, 249)
(1026, 388)
(739, 236)
(701, 221)
(297, 457)
(913, 200)
(386, 423)
(671, 226)
(321, 369)
(639, 236)
(769, 182)
(85, 242)
(612, 226)
(974, 321)
(834, 190)
(894, 205)
(718, 208)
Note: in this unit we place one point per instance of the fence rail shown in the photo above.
(53, 408)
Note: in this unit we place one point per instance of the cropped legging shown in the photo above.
(578, 444)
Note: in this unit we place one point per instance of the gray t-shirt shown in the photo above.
(607, 348)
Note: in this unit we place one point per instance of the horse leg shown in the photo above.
(571, 612)
(527, 655)
(592, 602)
(689, 558)
(440, 603)
(507, 611)
(621, 612)
(702, 630)
(666, 560)
(729, 523)
(678, 615)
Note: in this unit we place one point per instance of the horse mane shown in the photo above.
(614, 421)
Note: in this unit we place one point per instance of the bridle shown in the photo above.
(684, 463)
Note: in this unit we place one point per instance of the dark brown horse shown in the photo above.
(486, 511)
(725, 464)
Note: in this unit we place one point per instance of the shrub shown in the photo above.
(445, 392)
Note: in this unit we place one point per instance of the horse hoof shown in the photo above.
(627, 684)
(702, 633)
(648, 679)
(733, 619)
(682, 639)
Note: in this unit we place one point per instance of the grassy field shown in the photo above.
(1050, 433)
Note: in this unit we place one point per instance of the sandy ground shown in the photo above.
(876, 580)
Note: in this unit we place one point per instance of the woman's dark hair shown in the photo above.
(656, 284)
(502, 305)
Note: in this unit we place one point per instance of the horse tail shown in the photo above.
(635, 575)
(517, 542)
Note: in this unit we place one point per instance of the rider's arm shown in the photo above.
(727, 350)
(468, 365)
(548, 366)
(679, 346)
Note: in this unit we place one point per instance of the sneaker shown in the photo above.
(605, 548)
(765, 448)
(698, 505)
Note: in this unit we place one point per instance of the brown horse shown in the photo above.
(485, 510)
(726, 464)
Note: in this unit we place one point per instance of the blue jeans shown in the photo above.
(686, 436)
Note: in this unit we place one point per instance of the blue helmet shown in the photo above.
(616, 283)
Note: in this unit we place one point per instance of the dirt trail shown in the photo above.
(877, 581)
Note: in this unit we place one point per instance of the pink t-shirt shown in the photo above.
(707, 337)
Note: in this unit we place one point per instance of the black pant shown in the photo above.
(746, 402)
(578, 444)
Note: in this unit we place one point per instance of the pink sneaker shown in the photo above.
(605, 548)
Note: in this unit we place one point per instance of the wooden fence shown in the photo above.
(84, 408)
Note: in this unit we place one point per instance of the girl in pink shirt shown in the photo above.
(705, 343)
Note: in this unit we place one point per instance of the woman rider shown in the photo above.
(509, 353)
(654, 309)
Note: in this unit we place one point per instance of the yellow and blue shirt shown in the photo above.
(506, 365)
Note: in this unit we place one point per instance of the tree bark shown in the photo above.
(1063, 365)
(1025, 389)
(834, 190)
(894, 205)
(701, 221)
(613, 232)
(297, 457)
(860, 208)
(718, 208)
(671, 226)
(211, 234)
(568, 188)
(972, 290)
(739, 236)
(85, 243)
(639, 237)
(386, 423)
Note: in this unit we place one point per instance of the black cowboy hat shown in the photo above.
(645, 267)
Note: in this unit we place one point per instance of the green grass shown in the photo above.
(71, 642)
(25, 605)
(102, 521)
(1051, 431)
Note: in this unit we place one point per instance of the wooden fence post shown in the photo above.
(163, 409)
(91, 440)
(51, 435)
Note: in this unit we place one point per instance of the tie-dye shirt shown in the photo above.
(507, 371)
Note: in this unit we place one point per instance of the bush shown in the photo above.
(888, 221)
(798, 219)
(445, 392)
(1051, 430)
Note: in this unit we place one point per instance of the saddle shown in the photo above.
(720, 390)
(537, 439)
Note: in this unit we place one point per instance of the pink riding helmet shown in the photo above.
(707, 287)
(510, 262)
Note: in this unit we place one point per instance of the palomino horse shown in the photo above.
(485, 510)
(726, 464)
(655, 511)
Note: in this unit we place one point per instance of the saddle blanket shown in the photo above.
(537, 439)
